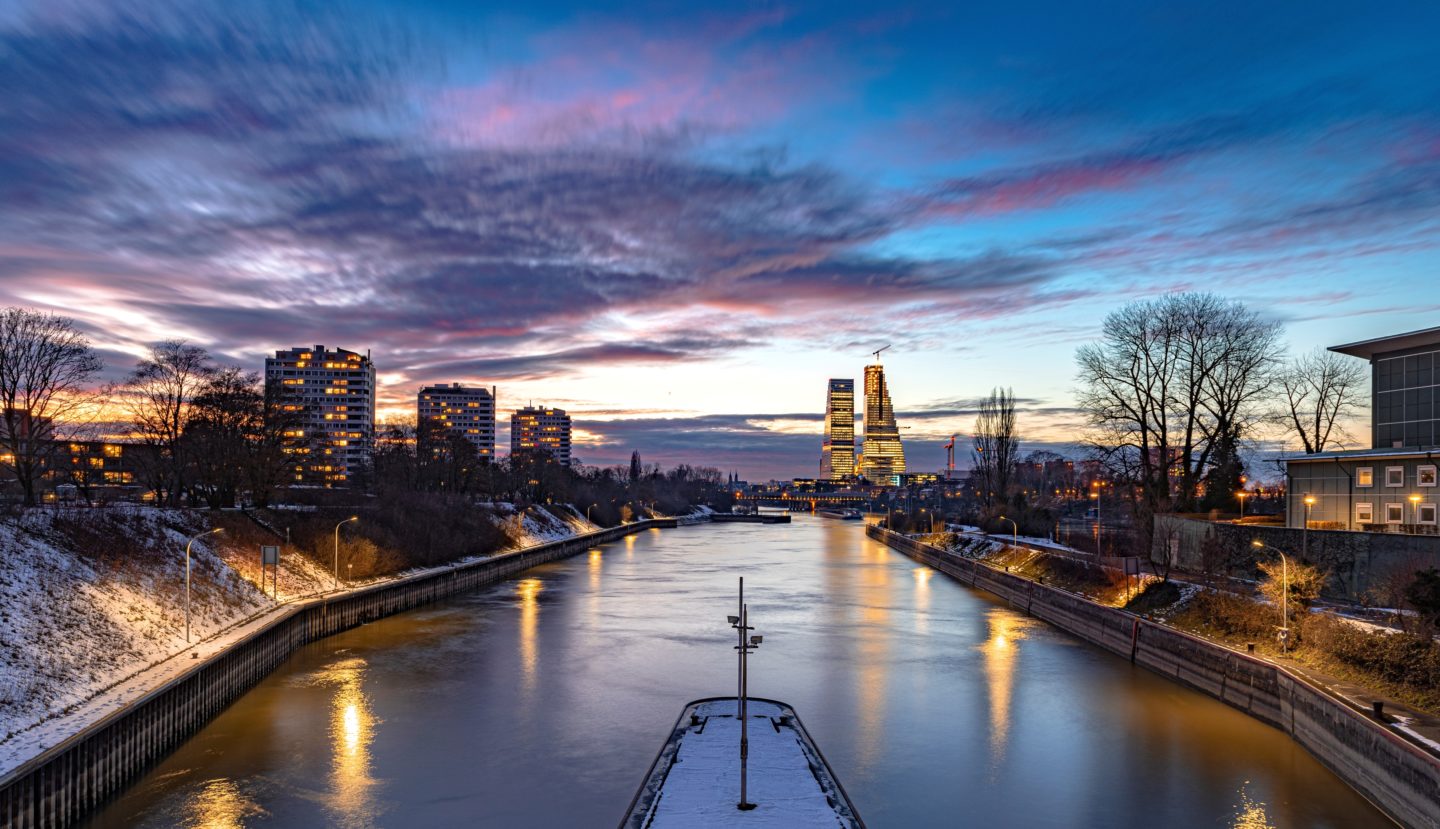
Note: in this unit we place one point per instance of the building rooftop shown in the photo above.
(1359, 454)
(1367, 349)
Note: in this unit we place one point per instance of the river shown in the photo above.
(540, 702)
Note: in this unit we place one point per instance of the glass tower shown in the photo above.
(837, 454)
(883, 456)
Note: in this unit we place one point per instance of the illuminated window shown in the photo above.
(1365, 476)
(1426, 476)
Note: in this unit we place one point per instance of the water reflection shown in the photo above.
(1250, 814)
(529, 591)
(999, 654)
(872, 652)
(352, 729)
(220, 804)
(922, 599)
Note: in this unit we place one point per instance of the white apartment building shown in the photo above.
(333, 390)
(467, 411)
(545, 429)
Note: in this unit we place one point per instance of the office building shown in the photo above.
(837, 452)
(466, 411)
(882, 457)
(1392, 486)
(331, 394)
(541, 429)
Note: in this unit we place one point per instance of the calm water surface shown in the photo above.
(540, 702)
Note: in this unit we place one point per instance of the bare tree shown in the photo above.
(45, 368)
(995, 446)
(1321, 390)
(158, 395)
(1173, 381)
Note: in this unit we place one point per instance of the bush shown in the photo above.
(1238, 616)
(1401, 658)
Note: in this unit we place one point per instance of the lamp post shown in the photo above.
(1284, 595)
(337, 547)
(1096, 496)
(1305, 530)
(1241, 495)
(187, 577)
(1015, 531)
(587, 511)
(1415, 508)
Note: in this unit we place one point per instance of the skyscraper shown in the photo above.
(883, 456)
(467, 411)
(541, 429)
(333, 393)
(837, 453)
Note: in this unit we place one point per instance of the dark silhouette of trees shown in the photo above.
(45, 368)
(1319, 390)
(1173, 382)
(157, 396)
(996, 447)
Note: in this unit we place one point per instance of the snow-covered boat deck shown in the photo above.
(695, 780)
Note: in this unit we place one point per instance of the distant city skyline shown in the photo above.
(676, 220)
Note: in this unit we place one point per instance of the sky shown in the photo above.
(678, 220)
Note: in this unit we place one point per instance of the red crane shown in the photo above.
(950, 458)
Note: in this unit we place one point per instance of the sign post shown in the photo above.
(270, 556)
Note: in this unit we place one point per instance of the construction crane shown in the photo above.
(877, 353)
(950, 458)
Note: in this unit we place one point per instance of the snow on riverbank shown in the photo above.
(92, 605)
(88, 597)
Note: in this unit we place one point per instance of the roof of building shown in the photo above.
(1368, 349)
(1361, 454)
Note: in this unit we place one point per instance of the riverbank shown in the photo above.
(92, 758)
(1396, 775)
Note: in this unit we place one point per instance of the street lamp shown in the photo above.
(1284, 596)
(337, 547)
(187, 576)
(1015, 534)
(1415, 507)
(1305, 530)
(1241, 495)
(1096, 496)
(587, 511)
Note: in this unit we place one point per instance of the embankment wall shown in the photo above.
(68, 781)
(1398, 777)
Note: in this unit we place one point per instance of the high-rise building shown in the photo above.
(467, 411)
(541, 429)
(837, 453)
(882, 457)
(332, 395)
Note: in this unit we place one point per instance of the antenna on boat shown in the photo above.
(741, 624)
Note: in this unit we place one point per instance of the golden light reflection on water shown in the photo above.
(872, 650)
(1250, 814)
(922, 599)
(352, 730)
(529, 590)
(999, 653)
(220, 804)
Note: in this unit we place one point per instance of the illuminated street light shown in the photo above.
(337, 547)
(187, 576)
(1241, 495)
(1415, 507)
(1015, 531)
(1305, 530)
(1284, 596)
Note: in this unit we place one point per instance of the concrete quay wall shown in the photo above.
(1398, 777)
(65, 783)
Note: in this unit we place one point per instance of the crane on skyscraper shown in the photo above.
(877, 352)
(950, 457)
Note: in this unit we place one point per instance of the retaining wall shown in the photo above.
(69, 780)
(1356, 561)
(1399, 778)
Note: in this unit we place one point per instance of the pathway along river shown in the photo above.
(540, 702)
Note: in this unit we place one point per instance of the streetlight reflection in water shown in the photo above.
(999, 653)
(529, 591)
(352, 730)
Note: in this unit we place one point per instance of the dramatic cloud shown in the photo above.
(698, 210)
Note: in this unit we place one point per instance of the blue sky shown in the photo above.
(678, 220)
